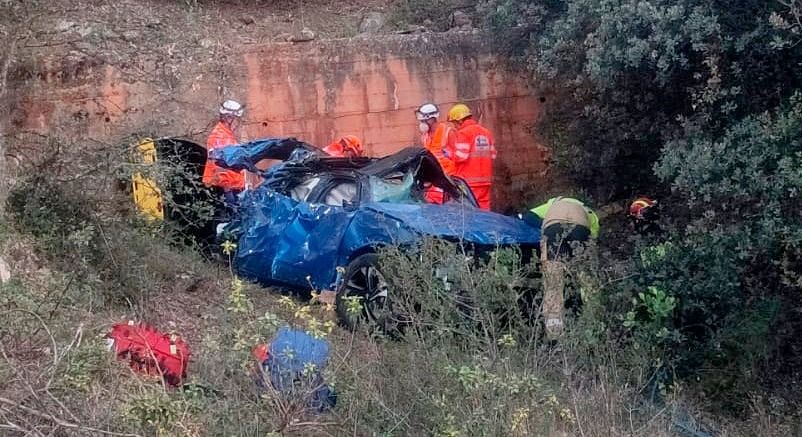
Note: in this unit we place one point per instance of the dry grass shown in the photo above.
(58, 378)
(490, 374)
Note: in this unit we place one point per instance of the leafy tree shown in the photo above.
(622, 78)
(701, 98)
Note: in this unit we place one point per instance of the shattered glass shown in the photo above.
(392, 190)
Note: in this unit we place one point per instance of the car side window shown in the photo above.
(301, 191)
(340, 193)
(334, 191)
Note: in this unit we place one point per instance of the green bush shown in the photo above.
(472, 360)
(124, 257)
(620, 78)
(735, 267)
(697, 102)
(62, 223)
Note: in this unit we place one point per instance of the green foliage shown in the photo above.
(700, 98)
(736, 269)
(750, 173)
(651, 310)
(84, 365)
(472, 360)
(78, 235)
(160, 413)
(62, 223)
(620, 77)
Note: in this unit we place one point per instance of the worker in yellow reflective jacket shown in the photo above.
(566, 224)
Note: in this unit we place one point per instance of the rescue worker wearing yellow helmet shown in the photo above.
(565, 224)
(474, 153)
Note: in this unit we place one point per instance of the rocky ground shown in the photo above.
(103, 26)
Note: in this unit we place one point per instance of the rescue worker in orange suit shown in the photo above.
(644, 215)
(473, 154)
(439, 139)
(223, 134)
(348, 146)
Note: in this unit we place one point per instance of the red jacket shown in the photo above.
(473, 158)
(214, 175)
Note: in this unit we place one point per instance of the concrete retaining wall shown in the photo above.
(315, 91)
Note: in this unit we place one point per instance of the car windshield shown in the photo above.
(396, 188)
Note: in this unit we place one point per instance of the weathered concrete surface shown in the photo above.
(314, 91)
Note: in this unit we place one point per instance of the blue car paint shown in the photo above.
(459, 222)
(301, 244)
(245, 156)
(286, 241)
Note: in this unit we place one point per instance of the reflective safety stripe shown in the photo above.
(474, 157)
(483, 153)
(463, 151)
(478, 180)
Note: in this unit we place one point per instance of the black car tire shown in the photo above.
(363, 279)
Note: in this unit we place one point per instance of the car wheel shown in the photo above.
(364, 296)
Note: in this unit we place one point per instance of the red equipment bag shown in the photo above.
(150, 351)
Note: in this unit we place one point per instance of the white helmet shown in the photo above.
(427, 111)
(231, 107)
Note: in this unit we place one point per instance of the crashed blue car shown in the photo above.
(317, 221)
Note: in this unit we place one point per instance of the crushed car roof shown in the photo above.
(300, 157)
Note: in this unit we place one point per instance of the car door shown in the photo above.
(311, 241)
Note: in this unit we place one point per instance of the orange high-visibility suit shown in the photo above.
(473, 158)
(335, 150)
(214, 175)
(349, 145)
(441, 143)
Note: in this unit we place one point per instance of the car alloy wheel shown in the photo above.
(364, 280)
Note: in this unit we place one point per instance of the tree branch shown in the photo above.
(61, 422)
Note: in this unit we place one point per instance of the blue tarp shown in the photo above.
(295, 363)
(245, 156)
(287, 241)
(292, 350)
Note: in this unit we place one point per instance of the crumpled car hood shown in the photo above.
(459, 222)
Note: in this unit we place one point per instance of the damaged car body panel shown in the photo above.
(314, 213)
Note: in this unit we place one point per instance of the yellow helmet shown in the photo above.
(458, 112)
